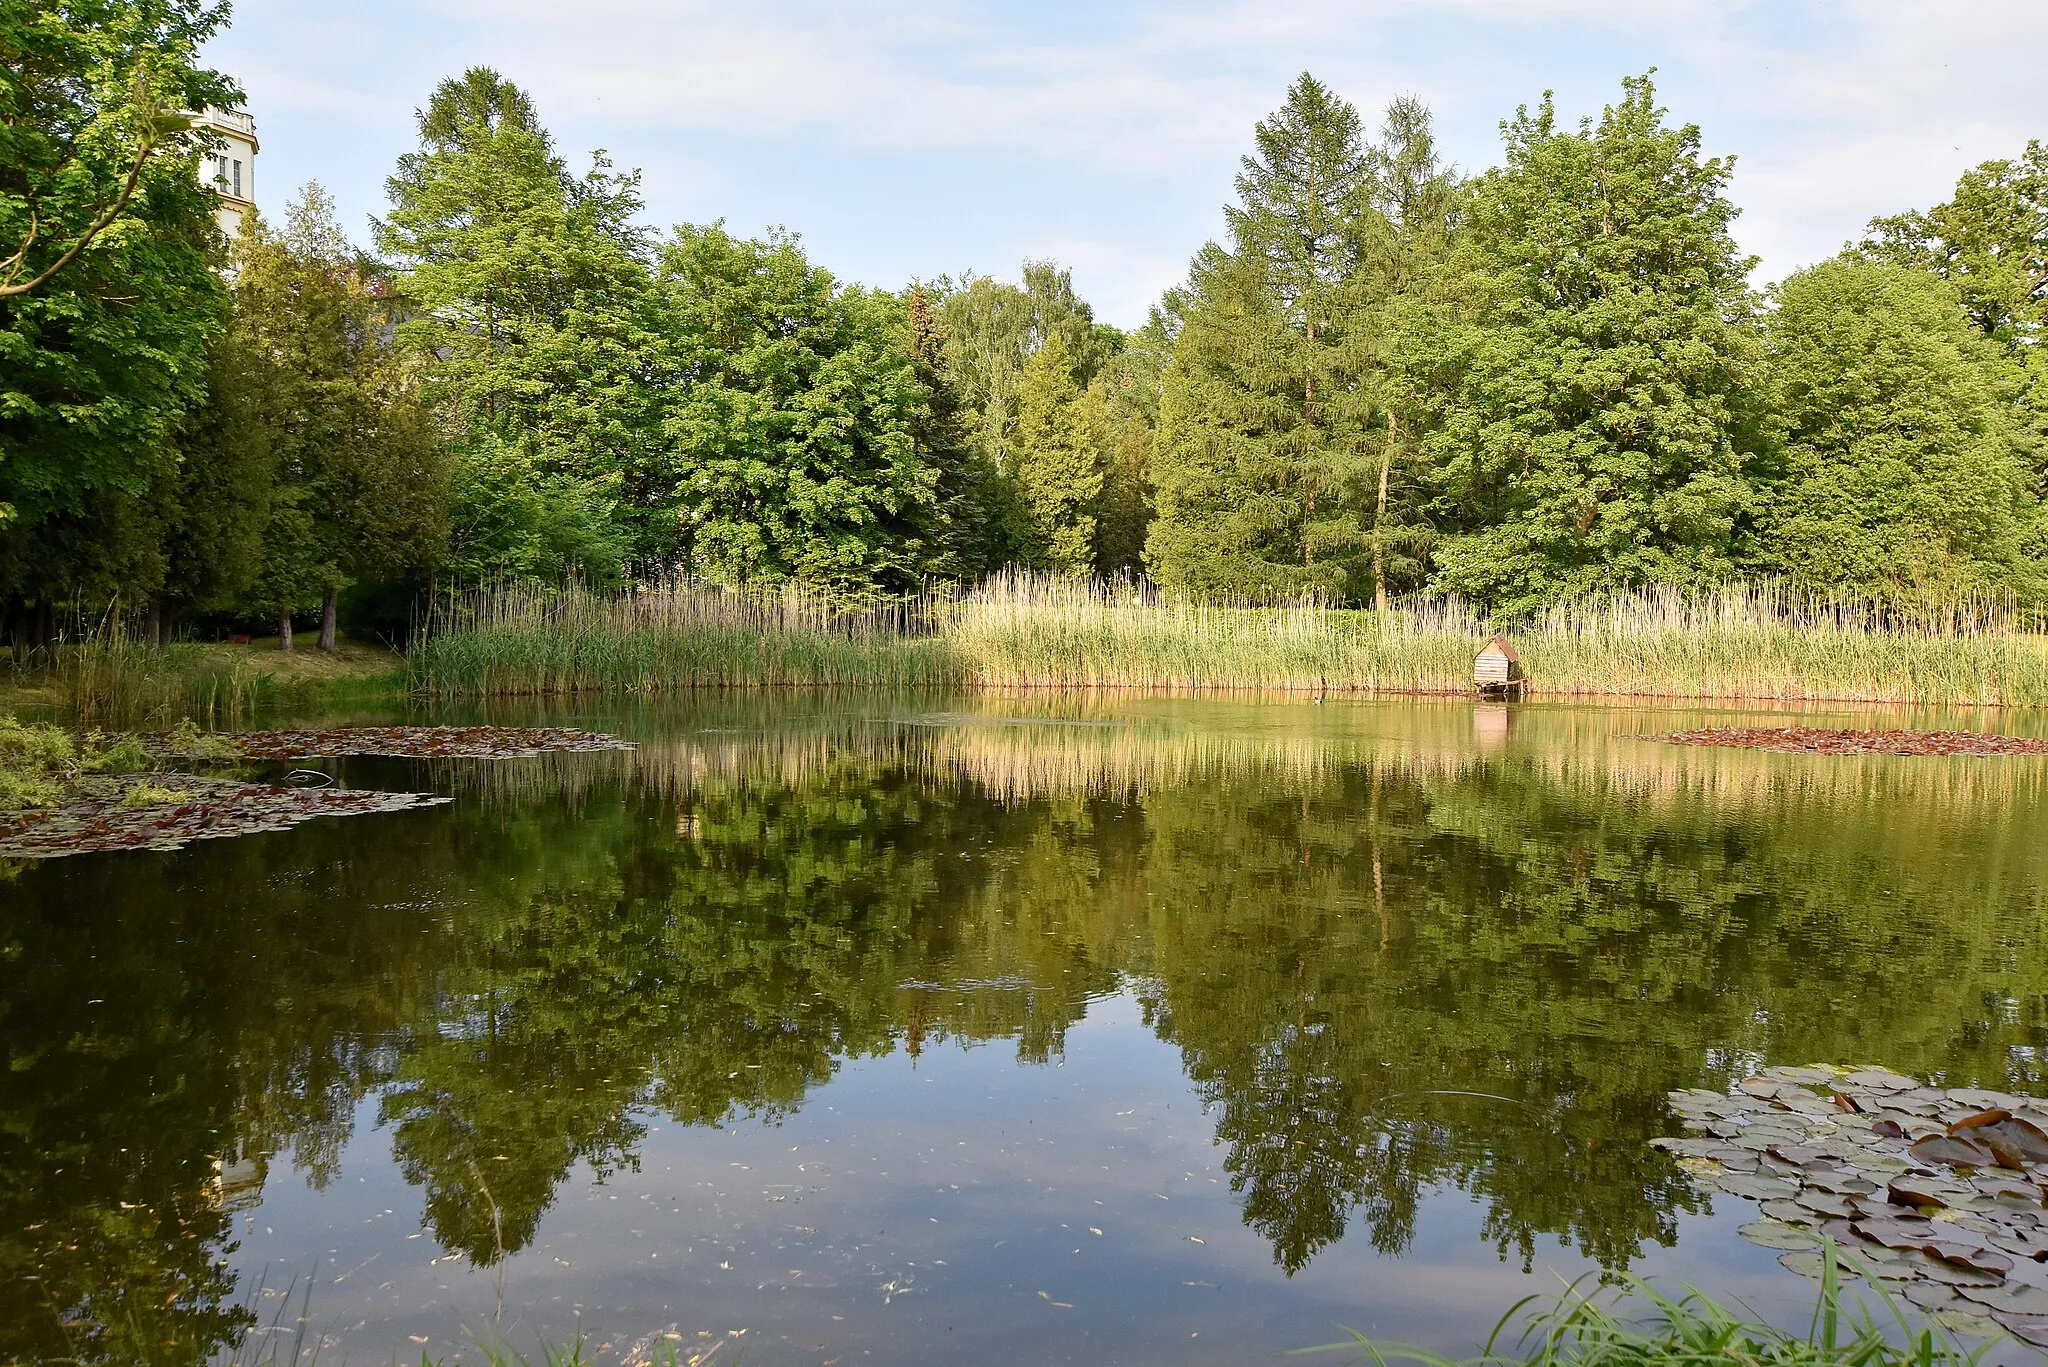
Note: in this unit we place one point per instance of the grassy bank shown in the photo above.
(113, 680)
(1747, 642)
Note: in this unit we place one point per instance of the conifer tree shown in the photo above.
(1261, 452)
(360, 484)
(1059, 459)
(959, 533)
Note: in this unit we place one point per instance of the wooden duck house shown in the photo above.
(1498, 670)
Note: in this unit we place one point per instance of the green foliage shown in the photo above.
(1589, 394)
(358, 483)
(100, 364)
(1632, 1321)
(1904, 473)
(33, 763)
(1057, 449)
(525, 286)
(795, 436)
(992, 329)
(1261, 449)
(1990, 241)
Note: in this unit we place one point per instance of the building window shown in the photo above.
(238, 180)
(220, 172)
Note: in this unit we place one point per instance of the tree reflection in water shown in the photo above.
(1389, 963)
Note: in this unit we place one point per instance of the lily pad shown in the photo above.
(1811, 1264)
(1778, 1234)
(1967, 1324)
(1932, 1295)
(425, 742)
(2031, 1329)
(1759, 1188)
(2016, 1299)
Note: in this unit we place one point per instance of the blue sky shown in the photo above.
(933, 136)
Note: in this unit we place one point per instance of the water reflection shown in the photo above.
(1396, 949)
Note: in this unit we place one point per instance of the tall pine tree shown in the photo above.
(1261, 451)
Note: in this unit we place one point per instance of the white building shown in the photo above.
(232, 169)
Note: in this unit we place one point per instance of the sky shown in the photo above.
(921, 137)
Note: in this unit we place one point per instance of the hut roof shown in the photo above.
(1499, 646)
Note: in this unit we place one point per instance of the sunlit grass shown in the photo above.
(1022, 631)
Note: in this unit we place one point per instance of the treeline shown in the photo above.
(1548, 379)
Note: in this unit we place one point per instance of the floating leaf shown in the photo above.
(1932, 1295)
(1809, 1264)
(1960, 1153)
(1968, 1324)
(2026, 1328)
(2014, 1297)
(1758, 1188)
(1778, 1234)
(1789, 1212)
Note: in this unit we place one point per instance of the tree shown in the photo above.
(1260, 452)
(1417, 207)
(361, 486)
(795, 435)
(1058, 445)
(1590, 390)
(1990, 241)
(1905, 474)
(216, 505)
(104, 349)
(93, 99)
(527, 288)
(993, 328)
(969, 495)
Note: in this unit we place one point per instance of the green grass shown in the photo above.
(1634, 1324)
(111, 678)
(1742, 642)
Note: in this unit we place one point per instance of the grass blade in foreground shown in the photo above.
(1633, 1322)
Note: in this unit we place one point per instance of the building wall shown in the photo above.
(232, 169)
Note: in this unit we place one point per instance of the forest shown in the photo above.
(1553, 378)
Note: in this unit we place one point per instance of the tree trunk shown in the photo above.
(153, 625)
(327, 611)
(284, 630)
(1379, 523)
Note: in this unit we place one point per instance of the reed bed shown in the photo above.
(678, 635)
(1744, 641)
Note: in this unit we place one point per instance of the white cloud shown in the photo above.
(1113, 129)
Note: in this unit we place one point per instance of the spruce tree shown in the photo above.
(1417, 205)
(1059, 460)
(1261, 452)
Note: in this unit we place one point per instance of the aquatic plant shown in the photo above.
(1760, 641)
(1631, 1322)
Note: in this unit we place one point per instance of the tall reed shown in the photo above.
(1743, 641)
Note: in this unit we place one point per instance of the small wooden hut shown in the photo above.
(1498, 670)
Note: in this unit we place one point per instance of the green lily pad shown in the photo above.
(1810, 1264)
(1780, 1235)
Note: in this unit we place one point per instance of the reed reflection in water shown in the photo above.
(1397, 951)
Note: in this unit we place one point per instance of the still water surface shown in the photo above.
(1041, 1031)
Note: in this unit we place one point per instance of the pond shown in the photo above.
(911, 1030)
